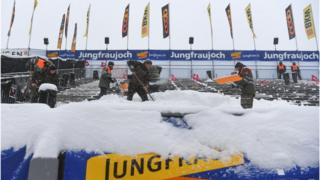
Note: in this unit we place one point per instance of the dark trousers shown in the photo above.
(280, 75)
(103, 91)
(154, 88)
(295, 77)
(246, 101)
(48, 97)
(136, 88)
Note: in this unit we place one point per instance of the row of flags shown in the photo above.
(145, 27)
(64, 26)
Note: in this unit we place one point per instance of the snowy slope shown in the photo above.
(274, 134)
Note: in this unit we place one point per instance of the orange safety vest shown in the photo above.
(294, 67)
(108, 70)
(41, 63)
(281, 66)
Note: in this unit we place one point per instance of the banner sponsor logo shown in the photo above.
(152, 166)
(165, 21)
(142, 55)
(236, 55)
(290, 22)
(53, 55)
(308, 22)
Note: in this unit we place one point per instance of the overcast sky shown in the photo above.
(188, 18)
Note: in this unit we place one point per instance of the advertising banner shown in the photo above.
(187, 55)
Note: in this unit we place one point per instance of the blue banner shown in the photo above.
(83, 165)
(14, 165)
(187, 55)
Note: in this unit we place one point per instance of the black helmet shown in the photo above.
(52, 67)
(147, 62)
(239, 65)
(110, 63)
(280, 62)
(294, 63)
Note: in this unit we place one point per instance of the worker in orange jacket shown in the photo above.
(281, 69)
(106, 79)
(295, 70)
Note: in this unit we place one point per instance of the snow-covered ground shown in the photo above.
(274, 134)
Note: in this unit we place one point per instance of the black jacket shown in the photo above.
(51, 78)
(138, 71)
(247, 85)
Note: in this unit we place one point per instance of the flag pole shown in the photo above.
(149, 29)
(66, 43)
(30, 32)
(8, 42)
(169, 40)
(255, 61)
(211, 29)
(316, 39)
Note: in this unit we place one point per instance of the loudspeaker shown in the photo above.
(46, 41)
(190, 40)
(106, 40)
(275, 41)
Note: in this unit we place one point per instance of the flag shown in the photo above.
(88, 18)
(165, 21)
(228, 12)
(290, 22)
(209, 12)
(74, 39)
(36, 2)
(308, 22)
(67, 22)
(125, 22)
(12, 17)
(249, 18)
(61, 32)
(145, 22)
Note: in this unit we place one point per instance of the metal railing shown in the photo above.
(184, 71)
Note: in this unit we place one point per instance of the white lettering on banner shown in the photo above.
(107, 55)
(197, 55)
(15, 52)
(290, 56)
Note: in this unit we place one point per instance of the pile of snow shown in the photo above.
(48, 86)
(274, 134)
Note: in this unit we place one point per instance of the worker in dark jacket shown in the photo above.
(281, 69)
(49, 96)
(154, 74)
(52, 76)
(37, 78)
(295, 70)
(106, 79)
(247, 85)
(139, 79)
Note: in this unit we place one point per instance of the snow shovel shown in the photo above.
(145, 89)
